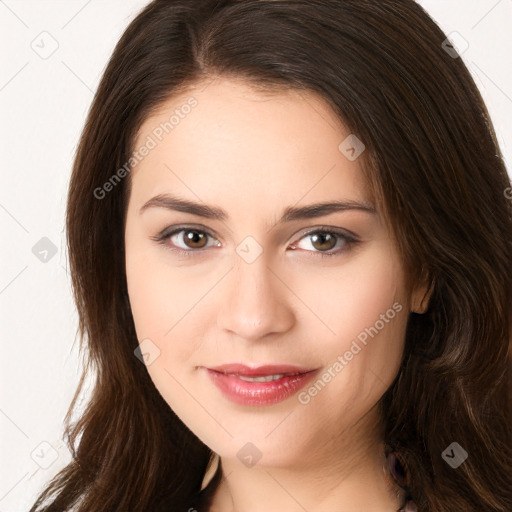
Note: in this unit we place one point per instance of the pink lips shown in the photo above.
(229, 378)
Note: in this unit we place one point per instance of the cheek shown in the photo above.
(147, 300)
(167, 303)
(162, 306)
(364, 314)
(372, 292)
(353, 297)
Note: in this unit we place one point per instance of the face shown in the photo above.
(247, 284)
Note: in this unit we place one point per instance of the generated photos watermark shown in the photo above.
(341, 361)
(150, 143)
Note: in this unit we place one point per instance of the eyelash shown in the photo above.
(350, 240)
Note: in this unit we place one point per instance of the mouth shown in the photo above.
(266, 370)
(260, 385)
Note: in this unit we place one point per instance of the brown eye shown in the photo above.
(194, 239)
(326, 242)
(186, 240)
(323, 241)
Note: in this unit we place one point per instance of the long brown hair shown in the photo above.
(431, 159)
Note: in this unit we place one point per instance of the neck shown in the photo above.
(343, 476)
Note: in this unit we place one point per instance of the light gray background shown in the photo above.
(43, 103)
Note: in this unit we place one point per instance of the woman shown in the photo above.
(290, 245)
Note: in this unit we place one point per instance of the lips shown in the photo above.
(260, 385)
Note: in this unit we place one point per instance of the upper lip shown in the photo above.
(255, 371)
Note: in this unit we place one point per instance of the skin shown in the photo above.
(253, 154)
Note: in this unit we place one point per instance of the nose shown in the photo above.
(255, 301)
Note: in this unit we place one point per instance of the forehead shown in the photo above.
(225, 142)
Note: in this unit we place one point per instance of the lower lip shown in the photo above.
(259, 393)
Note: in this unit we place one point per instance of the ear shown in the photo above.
(421, 294)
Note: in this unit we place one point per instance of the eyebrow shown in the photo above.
(291, 213)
